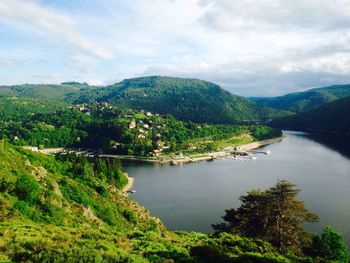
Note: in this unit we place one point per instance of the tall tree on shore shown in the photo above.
(274, 215)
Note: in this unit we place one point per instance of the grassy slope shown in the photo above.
(304, 101)
(47, 223)
(332, 117)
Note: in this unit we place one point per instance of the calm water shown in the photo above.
(193, 196)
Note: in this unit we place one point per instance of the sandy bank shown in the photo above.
(255, 145)
(129, 184)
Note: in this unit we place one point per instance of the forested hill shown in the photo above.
(187, 99)
(44, 91)
(332, 117)
(304, 101)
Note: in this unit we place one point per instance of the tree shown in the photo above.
(331, 246)
(274, 215)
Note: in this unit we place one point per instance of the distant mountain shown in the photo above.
(333, 117)
(187, 99)
(44, 91)
(304, 101)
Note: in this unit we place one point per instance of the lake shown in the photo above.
(194, 196)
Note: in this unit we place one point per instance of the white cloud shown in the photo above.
(250, 47)
(51, 23)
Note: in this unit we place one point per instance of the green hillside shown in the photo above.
(187, 99)
(70, 209)
(304, 101)
(115, 130)
(333, 117)
(44, 91)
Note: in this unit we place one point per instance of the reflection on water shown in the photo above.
(336, 142)
(193, 196)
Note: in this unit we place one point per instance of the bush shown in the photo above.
(331, 246)
(130, 216)
(26, 210)
(27, 189)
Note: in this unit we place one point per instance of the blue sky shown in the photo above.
(252, 48)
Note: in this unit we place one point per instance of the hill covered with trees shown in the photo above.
(333, 117)
(44, 91)
(186, 99)
(113, 129)
(304, 101)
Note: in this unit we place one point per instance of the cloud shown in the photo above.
(13, 63)
(249, 47)
(51, 23)
(311, 14)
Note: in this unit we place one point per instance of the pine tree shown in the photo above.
(274, 215)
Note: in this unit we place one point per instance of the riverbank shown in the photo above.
(228, 151)
(174, 160)
(129, 185)
(254, 145)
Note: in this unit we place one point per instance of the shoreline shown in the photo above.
(129, 185)
(209, 156)
(254, 145)
(205, 156)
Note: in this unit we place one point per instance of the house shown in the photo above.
(148, 113)
(141, 136)
(115, 145)
(81, 107)
(132, 124)
(146, 126)
(157, 152)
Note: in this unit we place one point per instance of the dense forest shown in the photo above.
(333, 117)
(186, 99)
(307, 100)
(70, 209)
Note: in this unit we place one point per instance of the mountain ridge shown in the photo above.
(307, 100)
(187, 99)
(333, 117)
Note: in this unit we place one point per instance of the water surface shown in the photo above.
(194, 196)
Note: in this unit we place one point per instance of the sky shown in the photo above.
(251, 48)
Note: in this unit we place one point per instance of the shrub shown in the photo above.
(331, 246)
(130, 216)
(27, 189)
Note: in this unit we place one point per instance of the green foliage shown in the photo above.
(331, 246)
(107, 127)
(54, 211)
(186, 99)
(93, 171)
(274, 215)
(305, 101)
(333, 117)
(26, 210)
(130, 216)
(265, 132)
(27, 189)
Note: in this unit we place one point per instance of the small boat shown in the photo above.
(131, 191)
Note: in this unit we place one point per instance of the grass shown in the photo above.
(235, 141)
